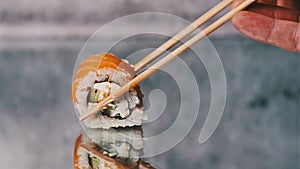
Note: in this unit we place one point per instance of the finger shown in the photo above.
(281, 33)
(276, 12)
(290, 4)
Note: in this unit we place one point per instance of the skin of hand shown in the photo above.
(270, 21)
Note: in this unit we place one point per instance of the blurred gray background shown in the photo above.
(39, 44)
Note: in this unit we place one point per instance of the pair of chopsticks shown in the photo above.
(175, 53)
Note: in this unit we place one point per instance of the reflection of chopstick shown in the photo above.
(145, 165)
(100, 155)
(152, 69)
(107, 159)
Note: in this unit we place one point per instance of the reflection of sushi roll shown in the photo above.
(111, 148)
(97, 77)
(121, 142)
(87, 156)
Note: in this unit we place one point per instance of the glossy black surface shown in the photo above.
(259, 128)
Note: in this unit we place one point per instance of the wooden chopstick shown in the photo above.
(182, 34)
(142, 76)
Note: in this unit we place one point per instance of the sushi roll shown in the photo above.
(97, 77)
(109, 148)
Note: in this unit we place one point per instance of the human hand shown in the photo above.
(270, 21)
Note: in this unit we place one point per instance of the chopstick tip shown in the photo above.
(94, 110)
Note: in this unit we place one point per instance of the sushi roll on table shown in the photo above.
(97, 77)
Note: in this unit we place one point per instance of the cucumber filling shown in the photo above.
(117, 109)
(94, 162)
